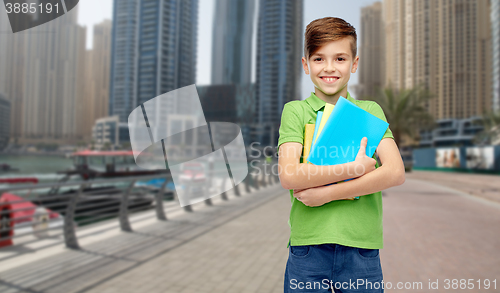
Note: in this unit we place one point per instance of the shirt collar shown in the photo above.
(317, 103)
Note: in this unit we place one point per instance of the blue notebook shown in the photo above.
(339, 141)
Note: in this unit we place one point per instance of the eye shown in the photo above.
(318, 59)
(340, 59)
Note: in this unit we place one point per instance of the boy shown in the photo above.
(334, 243)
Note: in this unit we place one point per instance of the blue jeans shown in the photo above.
(319, 268)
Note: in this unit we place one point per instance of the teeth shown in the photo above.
(329, 79)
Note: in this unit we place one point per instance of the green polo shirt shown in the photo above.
(356, 223)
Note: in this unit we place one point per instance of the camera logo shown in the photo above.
(26, 14)
(170, 132)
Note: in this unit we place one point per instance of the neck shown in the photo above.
(331, 99)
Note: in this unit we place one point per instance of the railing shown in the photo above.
(67, 205)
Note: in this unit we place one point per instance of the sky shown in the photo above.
(94, 11)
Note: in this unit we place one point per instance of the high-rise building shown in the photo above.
(444, 46)
(12, 69)
(394, 52)
(495, 38)
(4, 122)
(232, 41)
(54, 69)
(228, 102)
(279, 50)
(43, 69)
(371, 48)
(99, 60)
(153, 51)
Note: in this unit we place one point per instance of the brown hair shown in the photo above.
(327, 29)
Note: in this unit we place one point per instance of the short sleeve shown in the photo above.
(291, 128)
(377, 111)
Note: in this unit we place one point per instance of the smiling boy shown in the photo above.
(334, 243)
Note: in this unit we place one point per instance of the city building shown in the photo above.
(232, 41)
(495, 39)
(153, 51)
(430, 43)
(4, 122)
(110, 133)
(12, 68)
(451, 132)
(98, 73)
(228, 102)
(279, 49)
(370, 51)
(46, 67)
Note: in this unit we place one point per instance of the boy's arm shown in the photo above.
(391, 173)
(295, 175)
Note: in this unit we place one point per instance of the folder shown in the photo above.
(308, 138)
(339, 142)
(326, 114)
(316, 127)
(321, 120)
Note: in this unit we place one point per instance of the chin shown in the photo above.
(330, 92)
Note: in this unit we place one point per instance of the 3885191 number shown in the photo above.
(32, 8)
(470, 284)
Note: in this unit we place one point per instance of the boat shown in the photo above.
(105, 198)
(106, 164)
(7, 168)
(19, 180)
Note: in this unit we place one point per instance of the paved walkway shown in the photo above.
(430, 232)
(434, 232)
(234, 246)
(246, 254)
(480, 185)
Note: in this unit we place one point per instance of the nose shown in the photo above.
(329, 66)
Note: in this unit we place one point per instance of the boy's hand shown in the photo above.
(312, 197)
(363, 163)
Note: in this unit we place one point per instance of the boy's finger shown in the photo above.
(362, 147)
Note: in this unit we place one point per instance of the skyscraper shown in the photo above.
(12, 70)
(52, 78)
(101, 60)
(444, 46)
(371, 50)
(98, 73)
(46, 64)
(279, 50)
(153, 51)
(232, 41)
(4, 122)
(495, 38)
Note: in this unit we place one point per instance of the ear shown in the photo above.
(355, 65)
(304, 65)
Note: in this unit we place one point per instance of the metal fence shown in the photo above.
(36, 212)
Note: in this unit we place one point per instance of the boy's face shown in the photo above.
(330, 68)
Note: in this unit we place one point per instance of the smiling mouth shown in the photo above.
(329, 79)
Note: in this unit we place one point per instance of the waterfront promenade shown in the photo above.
(431, 232)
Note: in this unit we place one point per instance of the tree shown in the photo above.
(405, 111)
(126, 146)
(491, 129)
(107, 146)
